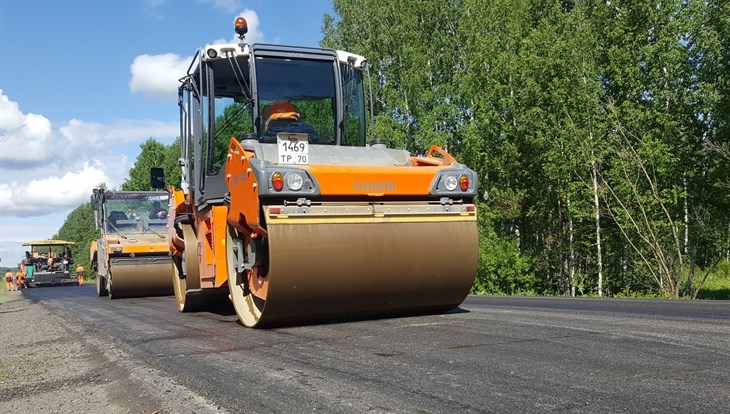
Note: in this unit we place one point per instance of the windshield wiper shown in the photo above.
(229, 121)
(116, 229)
(153, 231)
(238, 74)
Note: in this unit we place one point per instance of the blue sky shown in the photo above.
(84, 83)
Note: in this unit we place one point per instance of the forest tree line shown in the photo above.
(599, 130)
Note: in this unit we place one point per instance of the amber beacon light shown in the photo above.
(241, 27)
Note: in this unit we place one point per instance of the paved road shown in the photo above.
(492, 355)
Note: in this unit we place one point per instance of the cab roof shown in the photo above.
(48, 242)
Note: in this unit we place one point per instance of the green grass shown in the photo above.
(715, 288)
(6, 296)
(717, 285)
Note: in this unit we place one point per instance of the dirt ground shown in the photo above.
(49, 366)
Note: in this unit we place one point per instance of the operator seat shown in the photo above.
(116, 215)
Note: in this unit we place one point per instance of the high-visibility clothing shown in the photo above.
(9, 280)
(80, 274)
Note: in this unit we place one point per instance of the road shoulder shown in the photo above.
(49, 365)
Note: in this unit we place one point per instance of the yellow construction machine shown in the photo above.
(48, 263)
(285, 209)
(131, 256)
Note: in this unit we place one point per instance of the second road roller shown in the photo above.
(285, 209)
(131, 256)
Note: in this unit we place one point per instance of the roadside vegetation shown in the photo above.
(600, 132)
(717, 284)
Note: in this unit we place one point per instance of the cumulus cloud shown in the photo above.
(47, 168)
(50, 194)
(157, 76)
(24, 138)
(30, 141)
(81, 134)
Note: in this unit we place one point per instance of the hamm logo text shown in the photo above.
(373, 186)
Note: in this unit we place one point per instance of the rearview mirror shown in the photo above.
(157, 178)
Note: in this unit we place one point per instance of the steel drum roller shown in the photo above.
(141, 276)
(376, 267)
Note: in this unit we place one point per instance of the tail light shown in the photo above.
(464, 182)
(277, 181)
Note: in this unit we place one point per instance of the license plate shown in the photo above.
(293, 148)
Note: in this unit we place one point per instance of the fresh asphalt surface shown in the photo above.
(491, 355)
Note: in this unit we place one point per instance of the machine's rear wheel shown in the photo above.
(184, 300)
(247, 300)
(109, 288)
(101, 286)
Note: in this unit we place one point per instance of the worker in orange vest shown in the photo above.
(20, 278)
(80, 274)
(9, 280)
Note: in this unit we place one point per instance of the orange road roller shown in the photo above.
(284, 209)
(131, 257)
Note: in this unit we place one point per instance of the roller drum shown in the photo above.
(366, 269)
(140, 276)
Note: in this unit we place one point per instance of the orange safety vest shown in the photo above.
(280, 110)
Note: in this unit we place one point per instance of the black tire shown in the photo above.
(101, 289)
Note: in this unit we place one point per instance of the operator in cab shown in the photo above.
(157, 211)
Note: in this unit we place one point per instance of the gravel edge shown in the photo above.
(54, 364)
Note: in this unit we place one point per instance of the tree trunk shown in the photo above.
(690, 276)
(572, 249)
(597, 206)
(686, 216)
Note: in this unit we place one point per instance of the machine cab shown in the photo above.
(254, 92)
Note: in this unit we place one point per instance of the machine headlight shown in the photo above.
(294, 181)
(450, 183)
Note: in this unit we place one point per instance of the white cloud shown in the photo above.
(82, 134)
(15, 231)
(50, 194)
(157, 76)
(30, 142)
(53, 168)
(24, 138)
